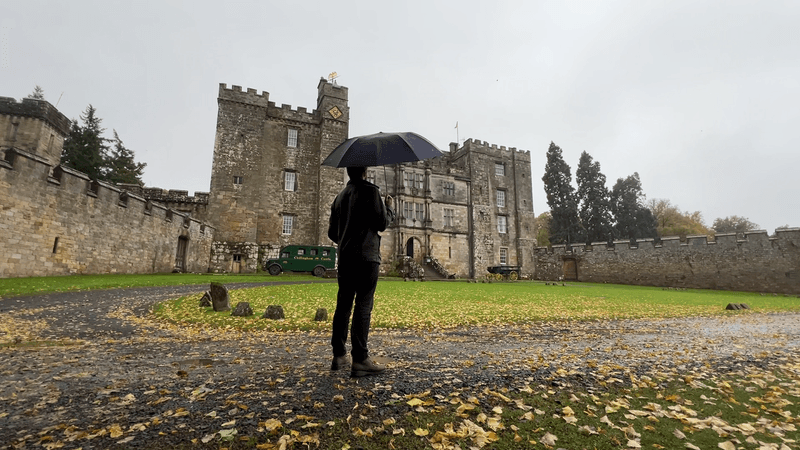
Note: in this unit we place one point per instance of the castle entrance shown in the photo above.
(570, 270)
(180, 255)
(414, 249)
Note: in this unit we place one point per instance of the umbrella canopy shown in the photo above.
(381, 149)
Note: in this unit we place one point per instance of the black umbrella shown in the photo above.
(381, 149)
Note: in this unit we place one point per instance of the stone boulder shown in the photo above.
(274, 312)
(322, 315)
(737, 306)
(205, 300)
(219, 297)
(242, 309)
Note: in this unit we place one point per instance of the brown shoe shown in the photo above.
(339, 362)
(366, 367)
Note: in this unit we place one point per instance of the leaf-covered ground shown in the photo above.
(116, 378)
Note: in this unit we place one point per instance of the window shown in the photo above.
(237, 258)
(326, 252)
(371, 176)
(503, 256)
(449, 188)
(420, 211)
(413, 180)
(408, 210)
(289, 181)
(502, 226)
(288, 223)
(285, 255)
(292, 139)
(449, 217)
(499, 169)
(312, 252)
(237, 179)
(501, 198)
(301, 251)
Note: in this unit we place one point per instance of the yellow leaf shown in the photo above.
(548, 439)
(421, 432)
(415, 402)
(115, 431)
(727, 445)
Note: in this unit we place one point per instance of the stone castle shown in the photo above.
(459, 213)
(471, 208)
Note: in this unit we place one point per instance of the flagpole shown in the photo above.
(456, 134)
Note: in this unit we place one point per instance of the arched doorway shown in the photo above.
(414, 249)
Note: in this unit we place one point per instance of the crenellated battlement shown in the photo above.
(474, 145)
(286, 112)
(250, 97)
(692, 242)
(163, 195)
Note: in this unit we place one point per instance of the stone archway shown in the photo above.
(414, 249)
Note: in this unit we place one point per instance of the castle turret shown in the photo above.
(34, 126)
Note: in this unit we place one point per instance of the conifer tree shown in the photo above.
(565, 226)
(85, 148)
(38, 93)
(120, 165)
(594, 200)
(633, 219)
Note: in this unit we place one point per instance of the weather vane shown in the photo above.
(332, 76)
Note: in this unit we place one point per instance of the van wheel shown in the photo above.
(319, 271)
(275, 269)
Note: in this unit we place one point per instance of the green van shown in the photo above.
(303, 258)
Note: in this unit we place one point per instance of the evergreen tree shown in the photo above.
(594, 201)
(38, 93)
(565, 226)
(85, 148)
(633, 219)
(120, 165)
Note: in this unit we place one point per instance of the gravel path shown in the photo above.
(124, 381)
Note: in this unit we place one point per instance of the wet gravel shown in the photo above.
(164, 386)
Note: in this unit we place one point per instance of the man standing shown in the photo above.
(358, 214)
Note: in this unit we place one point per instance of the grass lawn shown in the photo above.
(10, 287)
(400, 304)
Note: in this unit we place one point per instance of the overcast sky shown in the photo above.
(701, 98)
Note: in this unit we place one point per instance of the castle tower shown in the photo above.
(267, 186)
(334, 129)
(33, 126)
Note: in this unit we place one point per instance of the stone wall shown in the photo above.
(756, 263)
(60, 222)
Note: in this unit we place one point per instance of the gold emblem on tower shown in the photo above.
(335, 113)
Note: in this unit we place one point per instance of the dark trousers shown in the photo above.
(357, 281)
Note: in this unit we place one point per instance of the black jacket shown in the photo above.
(357, 215)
